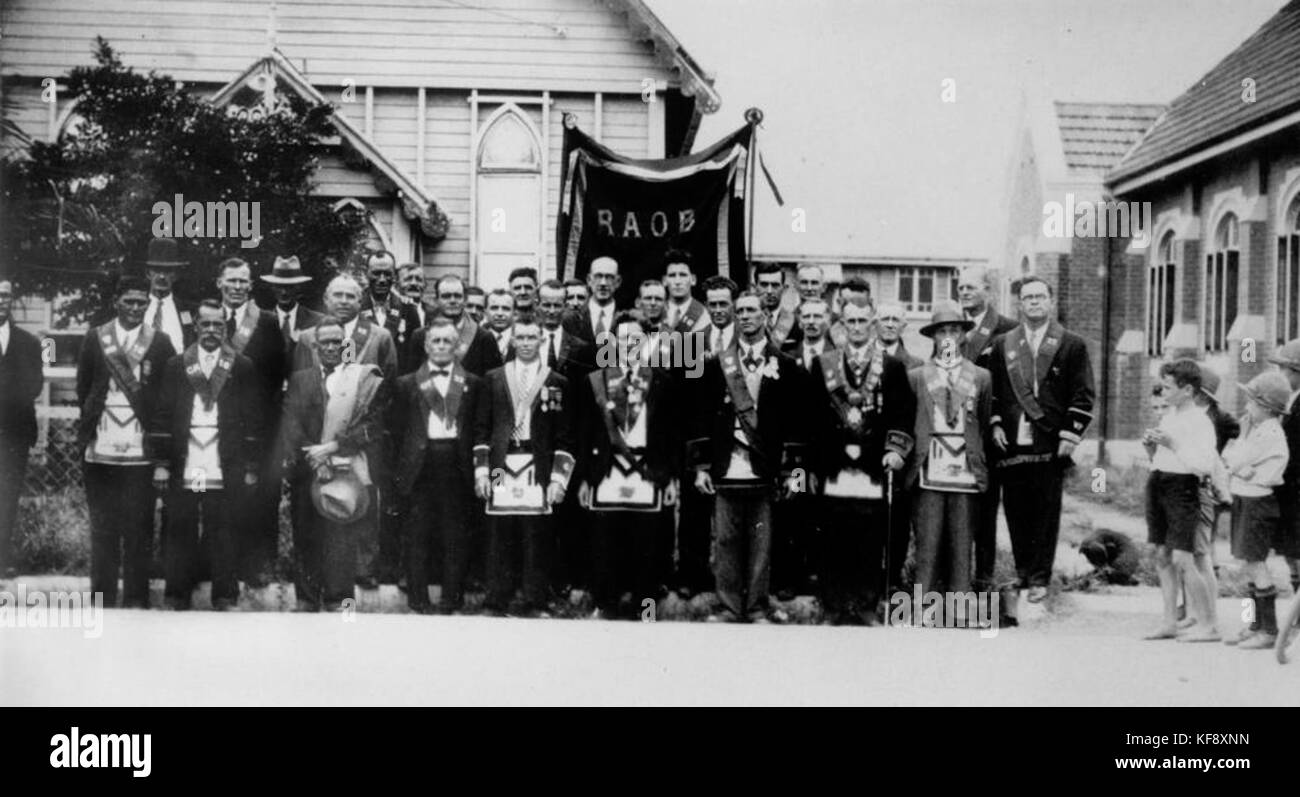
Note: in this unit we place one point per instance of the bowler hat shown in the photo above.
(343, 499)
(164, 253)
(1270, 390)
(947, 313)
(1210, 381)
(1288, 356)
(286, 271)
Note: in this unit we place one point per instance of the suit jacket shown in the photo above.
(663, 427)
(411, 410)
(265, 348)
(908, 359)
(93, 379)
(694, 319)
(187, 313)
(978, 412)
(21, 379)
(304, 319)
(481, 356)
(794, 350)
(552, 429)
(579, 321)
(1065, 391)
(781, 424)
(239, 423)
(401, 321)
(577, 357)
(977, 345)
(382, 353)
(304, 421)
(888, 412)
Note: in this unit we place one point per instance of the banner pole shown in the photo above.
(754, 116)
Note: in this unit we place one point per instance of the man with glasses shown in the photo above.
(1043, 396)
(596, 320)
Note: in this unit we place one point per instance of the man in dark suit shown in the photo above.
(973, 289)
(749, 433)
(476, 350)
(255, 333)
(333, 428)
(1287, 358)
(890, 325)
(891, 321)
(119, 375)
(500, 316)
(523, 461)
(631, 443)
(564, 351)
(206, 433)
(286, 280)
(780, 303)
(21, 380)
(435, 475)
(390, 310)
(1043, 393)
(476, 303)
(684, 313)
(410, 280)
(596, 319)
(164, 312)
(523, 289)
(863, 431)
(576, 294)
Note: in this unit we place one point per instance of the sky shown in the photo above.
(857, 134)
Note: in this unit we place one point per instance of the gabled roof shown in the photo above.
(1096, 135)
(1214, 109)
(643, 24)
(417, 202)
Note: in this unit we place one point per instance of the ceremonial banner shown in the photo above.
(636, 210)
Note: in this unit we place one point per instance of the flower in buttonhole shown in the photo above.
(771, 369)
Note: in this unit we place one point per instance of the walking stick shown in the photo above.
(889, 530)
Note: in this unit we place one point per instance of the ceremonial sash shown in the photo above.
(688, 320)
(523, 402)
(837, 382)
(208, 388)
(244, 332)
(615, 413)
(122, 363)
(451, 401)
(1023, 368)
(936, 383)
(467, 332)
(979, 336)
(742, 403)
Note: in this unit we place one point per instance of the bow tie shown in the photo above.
(440, 371)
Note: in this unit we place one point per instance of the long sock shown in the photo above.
(1266, 609)
(1254, 606)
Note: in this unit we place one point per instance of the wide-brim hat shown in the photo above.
(164, 253)
(947, 313)
(1270, 390)
(1210, 381)
(342, 499)
(1288, 356)
(286, 271)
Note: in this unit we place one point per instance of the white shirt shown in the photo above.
(1035, 339)
(126, 339)
(331, 380)
(171, 317)
(287, 321)
(208, 360)
(979, 319)
(350, 328)
(503, 340)
(600, 311)
(811, 351)
(1192, 435)
(4, 338)
(857, 353)
(554, 339)
(720, 337)
(1256, 459)
(525, 375)
(202, 459)
(237, 313)
(441, 428)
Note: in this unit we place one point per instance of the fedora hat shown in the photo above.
(164, 253)
(947, 313)
(1288, 356)
(286, 271)
(1210, 382)
(342, 499)
(1270, 390)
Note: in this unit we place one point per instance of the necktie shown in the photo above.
(230, 323)
(752, 360)
(600, 323)
(157, 316)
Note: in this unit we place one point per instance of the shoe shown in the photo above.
(720, 618)
(1163, 632)
(1200, 633)
(306, 608)
(785, 595)
(176, 605)
(1259, 641)
(258, 580)
(9, 573)
(448, 609)
(1242, 636)
(368, 582)
(760, 620)
(421, 608)
(224, 605)
(684, 593)
(1037, 594)
(779, 616)
(1186, 622)
(598, 614)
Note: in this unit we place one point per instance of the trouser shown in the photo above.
(986, 533)
(390, 562)
(329, 556)
(572, 544)
(1031, 497)
(855, 538)
(795, 541)
(121, 502)
(515, 543)
(437, 529)
(742, 548)
(900, 535)
(944, 525)
(259, 526)
(13, 471)
(694, 532)
(627, 556)
(182, 557)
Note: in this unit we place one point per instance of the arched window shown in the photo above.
(508, 196)
(1288, 275)
(1221, 270)
(1162, 277)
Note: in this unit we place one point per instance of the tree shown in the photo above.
(79, 211)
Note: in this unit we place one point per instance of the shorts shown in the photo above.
(1203, 544)
(1173, 510)
(1255, 523)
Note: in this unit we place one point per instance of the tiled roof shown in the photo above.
(1096, 135)
(1214, 110)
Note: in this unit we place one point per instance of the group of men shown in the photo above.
(541, 439)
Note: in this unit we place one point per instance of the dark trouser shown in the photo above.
(1031, 497)
(121, 502)
(437, 527)
(259, 526)
(944, 525)
(627, 556)
(518, 542)
(855, 540)
(572, 544)
(390, 563)
(795, 541)
(742, 548)
(694, 537)
(181, 561)
(986, 533)
(900, 535)
(328, 555)
(13, 471)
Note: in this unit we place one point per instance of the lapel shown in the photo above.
(1047, 349)
(244, 332)
(519, 400)
(979, 337)
(468, 330)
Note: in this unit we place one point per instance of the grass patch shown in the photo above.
(53, 533)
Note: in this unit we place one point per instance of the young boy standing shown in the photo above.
(1256, 461)
(1184, 453)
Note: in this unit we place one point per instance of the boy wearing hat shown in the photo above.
(1288, 493)
(1256, 461)
(1184, 455)
(954, 408)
